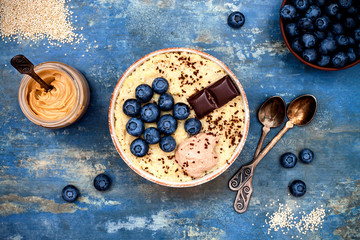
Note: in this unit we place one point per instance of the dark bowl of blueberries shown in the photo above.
(323, 34)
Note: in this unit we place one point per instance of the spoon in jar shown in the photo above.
(271, 114)
(300, 112)
(24, 66)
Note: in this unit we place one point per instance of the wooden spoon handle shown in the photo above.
(24, 66)
(242, 198)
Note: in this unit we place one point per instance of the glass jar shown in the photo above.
(81, 102)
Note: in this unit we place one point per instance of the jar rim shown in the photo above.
(79, 81)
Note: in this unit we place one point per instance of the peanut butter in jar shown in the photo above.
(61, 106)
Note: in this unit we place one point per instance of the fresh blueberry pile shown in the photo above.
(323, 32)
(141, 111)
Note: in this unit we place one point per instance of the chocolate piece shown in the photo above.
(213, 97)
(202, 102)
(223, 91)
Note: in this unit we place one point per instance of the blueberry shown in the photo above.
(305, 24)
(306, 155)
(309, 40)
(288, 12)
(339, 60)
(322, 23)
(288, 160)
(181, 111)
(337, 29)
(135, 127)
(236, 20)
(292, 30)
(139, 147)
(351, 41)
(309, 55)
(313, 12)
(345, 3)
(143, 93)
(150, 112)
(167, 124)
(332, 9)
(351, 54)
(357, 35)
(296, 45)
(339, 17)
(166, 102)
(192, 126)
(297, 188)
(342, 40)
(131, 107)
(160, 85)
(152, 135)
(324, 60)
(327, 46)
(102, 182)
(320, 35)
(320, 3)
(167, 143)
(349, 23)
(70, 193)
(301, 5)
(352, 11)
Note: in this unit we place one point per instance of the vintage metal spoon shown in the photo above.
(300, 112)
(24, 66)
(271, 114)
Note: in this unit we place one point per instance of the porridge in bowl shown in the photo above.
(187, 75)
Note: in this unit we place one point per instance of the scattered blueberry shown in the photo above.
(135, 127)
(309, 55)
(167, 143)
(288, 12)
(139, 147)
(236, 20)
(339, 16)
(143, 93)
(167, 124)
(349, 23)
(166, 102)
(301, 5)
(342, 40)
(297, 188)
(292, 30)
(150, 112)
(351, 55)
(320, 3)
(322, 23)
(324, 60)
(297, 45)
(181, 111)
(152, 135)
(337, 29)
(306, 155)
(320, 35)
(332, 9)
(352, 10)
(313, 12)
(345, 3)
(305, 24)
(160, 85)
(288, 160)
(351, 41)
(70, 193)
(102, 182)
(357, 34)
(309, 40)
(327, 46)
(131, 107)
(339, 60)
(192, 126)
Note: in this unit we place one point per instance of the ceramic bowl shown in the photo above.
(145, 174)
(282, 27)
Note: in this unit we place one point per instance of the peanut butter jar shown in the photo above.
(63, 105)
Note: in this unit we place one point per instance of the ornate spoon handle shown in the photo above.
(243, 197)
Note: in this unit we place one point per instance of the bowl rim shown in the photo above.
(300, 58)
(149, 176)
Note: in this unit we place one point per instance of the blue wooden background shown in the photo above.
(36, 163)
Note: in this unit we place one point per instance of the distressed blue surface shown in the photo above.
(36, 163)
